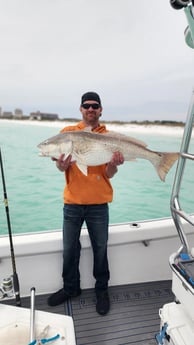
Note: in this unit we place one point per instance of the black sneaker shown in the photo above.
(60, 297)
(103, 303)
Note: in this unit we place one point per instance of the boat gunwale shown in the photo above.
(119, 234)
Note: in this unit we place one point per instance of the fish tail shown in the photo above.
(164, 163)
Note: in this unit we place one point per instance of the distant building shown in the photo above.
(7, 115)
(43, 116)
(18, 113)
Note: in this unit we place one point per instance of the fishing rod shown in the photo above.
(15, 276)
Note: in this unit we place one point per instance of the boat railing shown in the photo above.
(182, 262)
(176, 210)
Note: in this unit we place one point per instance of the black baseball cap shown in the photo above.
(90, 96)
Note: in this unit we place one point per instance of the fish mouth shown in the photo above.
(41, 154)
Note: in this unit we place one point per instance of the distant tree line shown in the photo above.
(147, 123)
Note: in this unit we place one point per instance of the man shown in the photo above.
(86, 199)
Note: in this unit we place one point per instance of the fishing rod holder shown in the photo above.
(188, 6)
(179, 4)
(6, 288)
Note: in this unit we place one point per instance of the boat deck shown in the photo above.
(133, 318)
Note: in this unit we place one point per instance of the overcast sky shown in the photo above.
(132, 53)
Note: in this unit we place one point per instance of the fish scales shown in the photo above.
(90, 149)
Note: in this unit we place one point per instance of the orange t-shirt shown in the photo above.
(95, 188)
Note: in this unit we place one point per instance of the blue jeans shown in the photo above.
(96, 218)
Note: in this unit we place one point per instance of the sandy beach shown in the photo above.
(162, 130)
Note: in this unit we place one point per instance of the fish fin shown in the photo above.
(67, 155)
(83, 168)
(165, 162)
(126, 138)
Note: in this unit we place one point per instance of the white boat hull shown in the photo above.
(138, 252)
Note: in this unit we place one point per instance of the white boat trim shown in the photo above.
(132, 247)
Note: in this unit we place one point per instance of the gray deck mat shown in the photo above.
(133, 318)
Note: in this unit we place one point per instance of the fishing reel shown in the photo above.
(6, 288)
(179, 4)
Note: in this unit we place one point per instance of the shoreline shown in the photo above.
(158, 129)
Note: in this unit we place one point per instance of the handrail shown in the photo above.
(176, 210)
(187, 155)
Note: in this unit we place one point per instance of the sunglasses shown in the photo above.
(93, 105)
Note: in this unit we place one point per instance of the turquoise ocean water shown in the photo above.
(35, 187)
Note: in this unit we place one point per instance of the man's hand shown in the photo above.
(117, 158)
(111, 168)
(63, 163)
